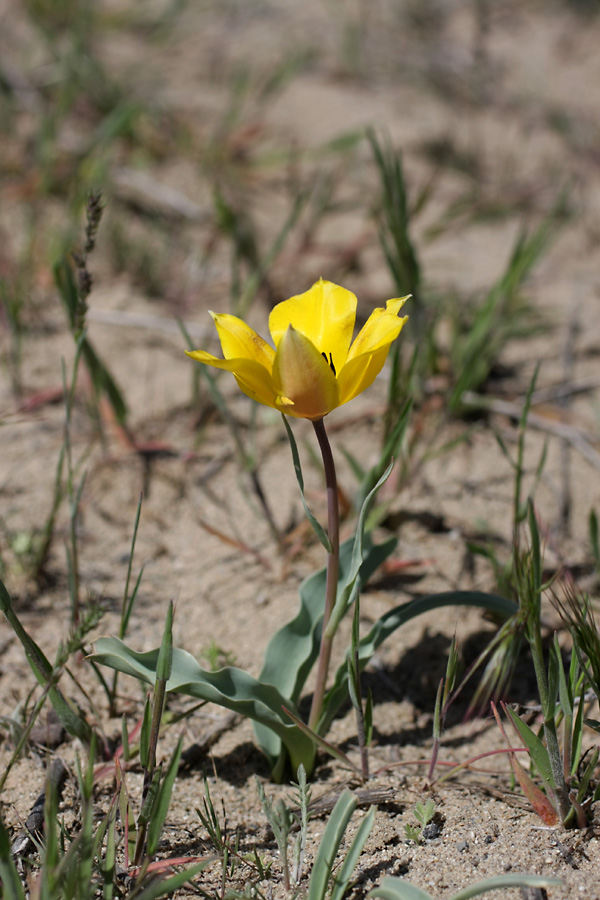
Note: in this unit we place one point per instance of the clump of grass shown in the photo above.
(568, 791)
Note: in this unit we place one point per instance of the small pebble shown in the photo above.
(462, 847)
(431, 831)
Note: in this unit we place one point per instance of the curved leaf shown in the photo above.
(346, 597)
(390, 622)
(230, 687)
(394, 888)
(293, 650)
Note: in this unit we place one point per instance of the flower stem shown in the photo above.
(333, 564)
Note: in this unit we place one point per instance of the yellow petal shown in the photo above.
(325, 314)
(305, 384)
(369, 351)
(252, 377)
(239, 341)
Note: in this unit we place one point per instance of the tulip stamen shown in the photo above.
(330, 361)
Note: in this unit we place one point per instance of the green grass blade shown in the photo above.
(536, 747)
(330, 844)
(73, 721)
(344, 875)
(345, 599)
(161, 808)
(12, 887)
(160, 887)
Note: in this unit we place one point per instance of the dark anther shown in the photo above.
(330, 361)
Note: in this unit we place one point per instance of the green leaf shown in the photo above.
(577, 732)
(346, 870)
(165, 656)
(536, 747)
(316, 525)
(293, 650)
(161, 808)
(230, 687)
(564, 687)
(394, 619)
(388, 452)
(324, 745)
(103, 381)
(393, 888)
(65, 282)
(108, 863)
(502, 882)
(71, 719)
(346, 597)
(330, 844)
(159, 887)
(145, 734)
(9, 876)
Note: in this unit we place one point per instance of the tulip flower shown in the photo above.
(315, 366)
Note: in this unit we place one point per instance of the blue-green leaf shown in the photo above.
(330, 844)
(393, 888)
(230, 687)
(293, 650)
(394, 619)
(348, 593)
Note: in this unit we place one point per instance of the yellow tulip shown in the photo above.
(315, 366)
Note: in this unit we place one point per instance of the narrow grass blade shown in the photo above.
(9, 876)
(160, 887)
(393, 888)
(344, 875)
(318, 741)
(536, 747)
(73, 722)
(161, 808)
(330, 844)
(315, 524)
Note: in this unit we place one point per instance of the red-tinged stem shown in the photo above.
(333, 565)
